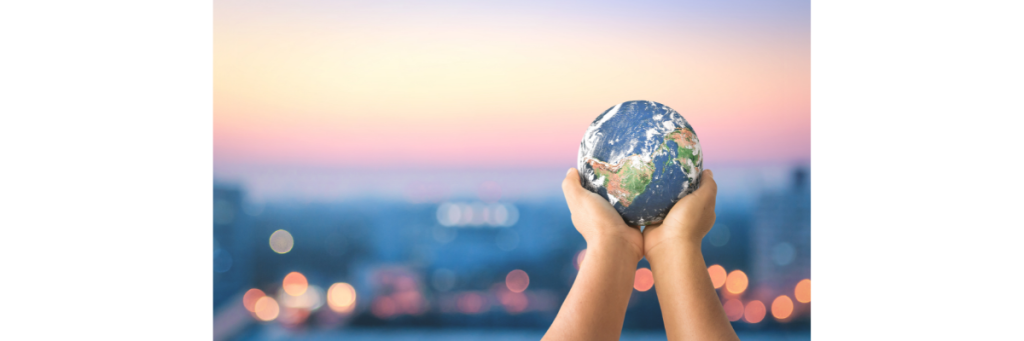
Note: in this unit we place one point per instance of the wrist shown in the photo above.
(672, 248)
(615, 245)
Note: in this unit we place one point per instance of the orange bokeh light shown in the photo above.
(733, 309)
(782, 307)
(754, 312)
(736, 282)
(517, 280)
(643, 280)
(578, 260)
(266, 308)
(295, 284)
(717, 273)
(803, 291)
(250, 298)
(341, 297)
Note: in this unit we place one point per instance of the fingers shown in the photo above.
(571, 185)
(708, 187)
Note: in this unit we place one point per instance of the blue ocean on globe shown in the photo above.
(643, 157)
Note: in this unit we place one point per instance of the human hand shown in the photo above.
(687, 222)
(599, 222)
(596, 305)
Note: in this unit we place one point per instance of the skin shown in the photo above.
(596, 305)
(689, 305)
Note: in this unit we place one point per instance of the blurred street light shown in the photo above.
(754, 312)
(736, 282)
(718, 275)
(294, 284)
(782, 307)
(803, 291)
(250, 298)
(643, 280)
(517, 281)
(281, 241)
(266, 308)
(341, 297)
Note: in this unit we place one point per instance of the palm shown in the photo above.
(594, 217)
(688, 220)
(601, 210)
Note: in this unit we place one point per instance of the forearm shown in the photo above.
(689, 305)
(596, 305)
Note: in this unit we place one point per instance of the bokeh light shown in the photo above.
(341, 297)
(803, 291)
(782, 307)
(471, 303)
(250, 298)
(295, 284)
(477, 214)
(754, 312)
(281, 241)
(448, 214)
(266, 308)
(733, 309)
(310, 300)
(718, 275)
(578, 260)
(517, 280)
(736, 282)
(643, 280)
(514, 302)
(409, 301)
(293, 317)
(384, 307)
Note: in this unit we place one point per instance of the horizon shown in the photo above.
(737, 183)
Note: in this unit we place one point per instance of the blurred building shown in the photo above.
(232, 244)
(417, 264)
(781, 238)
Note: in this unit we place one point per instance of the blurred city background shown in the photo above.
(391, 170)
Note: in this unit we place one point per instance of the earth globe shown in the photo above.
(643, 157)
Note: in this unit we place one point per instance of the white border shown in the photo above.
(916, 126)
(106, 142)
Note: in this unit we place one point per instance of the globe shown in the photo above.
(643, 157)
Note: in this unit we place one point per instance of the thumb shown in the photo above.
(708, 186)
(571, 185)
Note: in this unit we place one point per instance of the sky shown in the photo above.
(455, 85)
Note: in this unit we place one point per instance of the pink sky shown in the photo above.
(318, 85)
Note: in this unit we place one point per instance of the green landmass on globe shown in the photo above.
(626, 183)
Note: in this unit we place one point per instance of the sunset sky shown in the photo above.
(381, 85)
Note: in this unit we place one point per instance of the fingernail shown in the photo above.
(568, 171)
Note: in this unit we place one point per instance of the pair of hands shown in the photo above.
(600, 224)
(596, 305)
